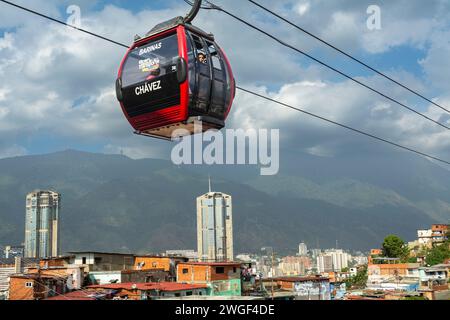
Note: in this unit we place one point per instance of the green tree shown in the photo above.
(359, 281)
(395, 247)
(438, 254)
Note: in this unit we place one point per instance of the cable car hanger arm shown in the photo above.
(194, 11)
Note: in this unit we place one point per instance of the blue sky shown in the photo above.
(58, 86)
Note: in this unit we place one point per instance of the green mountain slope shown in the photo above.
(114, 203)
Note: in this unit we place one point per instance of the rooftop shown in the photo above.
(167, 256)
(214, 264)
(76, 295)
(97, 252)
(298, 279)
(58, 258)
(159, 286)
(35, 276)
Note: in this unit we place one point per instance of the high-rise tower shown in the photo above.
(214, 227)
(42, 224)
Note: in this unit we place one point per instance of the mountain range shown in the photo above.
(116, 204)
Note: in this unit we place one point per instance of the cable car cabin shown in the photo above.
(174, 77)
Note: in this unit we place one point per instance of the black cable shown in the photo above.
(64, 23)
(282, 104)
(202, 7)
(348, 55)
(343, 125)
(327, 65)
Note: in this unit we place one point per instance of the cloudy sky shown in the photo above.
(57, 88)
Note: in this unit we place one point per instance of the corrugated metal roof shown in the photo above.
(160, 286)
(75, 295)
(297, 279)
(214, 264)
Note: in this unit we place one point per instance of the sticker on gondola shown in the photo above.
(150, 49)
(149, 65)
(148, 88)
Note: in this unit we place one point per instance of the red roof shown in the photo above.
(299, 279)
(213, 264)
(75, 295)
(160, 286)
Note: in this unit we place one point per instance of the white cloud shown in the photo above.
(62, 82)
(303, 8)
(12, 151)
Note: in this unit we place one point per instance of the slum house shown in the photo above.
(152, 291)
(222, 278)
(35, 286)
(303, 288)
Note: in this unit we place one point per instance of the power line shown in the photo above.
(348, 55)
(203, 6)
(326, 65)
(343, 125)
(64, 23)
(288, 106)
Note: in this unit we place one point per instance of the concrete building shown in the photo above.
(10, 267)
(393, 276)
(302, 249)
(215, 227)
(222, 278)
(434, 278)
(127, 276)
(333, 260)
(36, 286)
(303, 288)
(101, 261)
(165, 263)
(315, 253)
(424, 238)
(153, 291)
(360, 260)
(294, 266)
(340, 259)
(324, 263)
(439, 233)
(42, 224)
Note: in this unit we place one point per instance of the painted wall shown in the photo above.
(225, 288)
(312, 290)
(105, 277)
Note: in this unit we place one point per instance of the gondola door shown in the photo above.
(219, 85)
(202, 95)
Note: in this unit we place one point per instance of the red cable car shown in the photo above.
(174, 77)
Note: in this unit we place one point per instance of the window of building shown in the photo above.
(177, 294)
(29, 284)
(234, 269)
(83, 260)
(185, 271)
(220, 270)
(189, 293)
